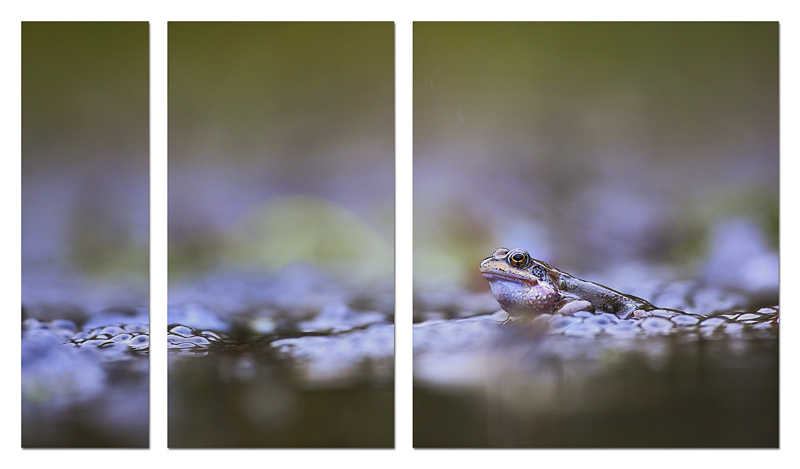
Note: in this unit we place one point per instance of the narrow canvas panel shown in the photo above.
(596, 235)
(85, 235)
(281, 206)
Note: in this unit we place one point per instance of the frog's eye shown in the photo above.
(518, 258)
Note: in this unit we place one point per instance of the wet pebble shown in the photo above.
(139, 342)
(656, 325)
(583, 330)
(115, 347)
(663, 313)
(182, 331)
(114, 340)
(748, 317)
(211, 335)
(111, 331)
(199, 340)
(623, 330)
(181, 337)
(632, 321)
(139, 328)
(601, 320)
(685, 320)
(713, 322)
(583, 314)
(560, 323)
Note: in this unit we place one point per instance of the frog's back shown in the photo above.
(602, 297)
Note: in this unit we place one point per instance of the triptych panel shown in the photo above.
(595, 235)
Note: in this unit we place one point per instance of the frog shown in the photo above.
(527, 288)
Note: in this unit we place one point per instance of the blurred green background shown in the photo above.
(595, 145)
(281, 146)
(85, 163)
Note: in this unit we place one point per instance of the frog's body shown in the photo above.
(528, 287)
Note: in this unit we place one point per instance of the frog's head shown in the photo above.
(522, 285)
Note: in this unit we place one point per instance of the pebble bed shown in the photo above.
(337, 338)
(673, 379)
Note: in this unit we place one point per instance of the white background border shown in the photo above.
(402, 14)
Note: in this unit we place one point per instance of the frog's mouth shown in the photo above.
(490, 274)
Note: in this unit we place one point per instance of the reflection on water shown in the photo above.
(597, 381)
(705, 375)
(250, 396)
(663, 393)
(294, 358)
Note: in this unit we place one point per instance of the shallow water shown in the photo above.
(288, 360)
(690, 380)
(85, 388)
(317, 391)
(246, 369)
(293, 359)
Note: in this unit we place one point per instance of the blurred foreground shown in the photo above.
(289, 359)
